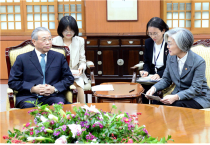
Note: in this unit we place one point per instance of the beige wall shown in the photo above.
(96, 21)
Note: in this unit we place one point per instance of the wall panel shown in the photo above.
(96, 21)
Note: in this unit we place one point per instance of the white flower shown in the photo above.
(53, 117)
(91, 108)
(43, 119)
(31, 138)
(120, 116)
(94, 141)
(75, 129)
(61, 140)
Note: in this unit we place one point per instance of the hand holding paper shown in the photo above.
(157, 98)
(75, 73)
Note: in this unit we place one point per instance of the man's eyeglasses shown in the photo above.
(45, 40)
(154, 34)
(66, 31)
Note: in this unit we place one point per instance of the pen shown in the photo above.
(131, 90)
(142, 74)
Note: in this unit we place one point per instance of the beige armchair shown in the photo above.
(11, 55)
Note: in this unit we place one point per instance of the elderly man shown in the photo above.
(40, 74)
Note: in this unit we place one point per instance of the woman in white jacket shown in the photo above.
(68, 36)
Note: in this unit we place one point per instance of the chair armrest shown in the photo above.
(91, 66)
(140, 66)
(166, 91)
(69, 96)
(135, 68)
(11, 101)
(72, 87)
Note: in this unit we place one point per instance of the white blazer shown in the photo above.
(77, 56)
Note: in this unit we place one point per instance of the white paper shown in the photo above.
(148, 78)
(74, 72)
(103, 88)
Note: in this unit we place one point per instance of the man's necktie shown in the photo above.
(42, 63)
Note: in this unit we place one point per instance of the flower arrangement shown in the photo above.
(87, 125)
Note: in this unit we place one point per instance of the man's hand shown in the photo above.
(38, 89)
(144, 73)
(155, 77)
(169, 99)
(43, 89)
(49, 90)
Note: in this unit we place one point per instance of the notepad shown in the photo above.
(103, 88)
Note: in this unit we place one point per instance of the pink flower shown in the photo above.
(27, 124)
(130, 141)
(126, 120)
(5, 137)
(145, 131)
(68, 116)
(31, 133)
(138, 113)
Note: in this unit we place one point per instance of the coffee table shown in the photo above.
(121, 93)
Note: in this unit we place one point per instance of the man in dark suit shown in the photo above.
(40, 74)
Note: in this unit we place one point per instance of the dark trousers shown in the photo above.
(44, 100)
(182, 103)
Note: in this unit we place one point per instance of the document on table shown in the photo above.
(103, 88)
(147, 79)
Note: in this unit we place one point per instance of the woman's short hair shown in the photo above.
(67, 21)
(157, 23)
(34, 35)
(183, 38)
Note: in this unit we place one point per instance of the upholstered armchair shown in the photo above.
(11, 54)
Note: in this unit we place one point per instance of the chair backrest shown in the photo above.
(11, 53)
(202, 48)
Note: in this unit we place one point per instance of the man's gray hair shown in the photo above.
(183, 38)
(36, 30)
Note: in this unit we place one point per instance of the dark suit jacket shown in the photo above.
(26, 72)
(148, 56)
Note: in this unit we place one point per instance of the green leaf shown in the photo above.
(9, 132)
